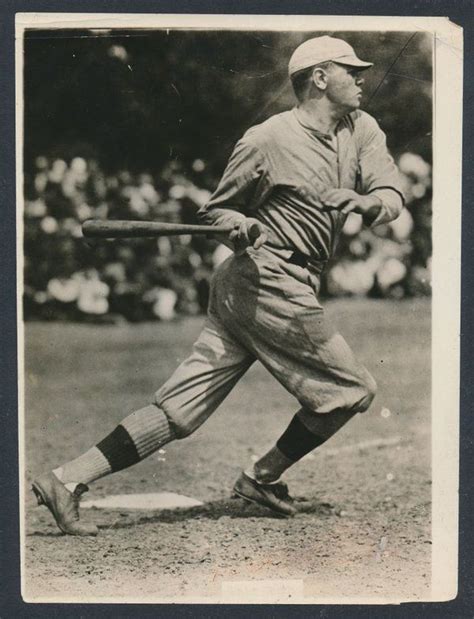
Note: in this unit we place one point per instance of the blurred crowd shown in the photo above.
(142, 279)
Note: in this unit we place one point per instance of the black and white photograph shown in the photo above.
(237, 326)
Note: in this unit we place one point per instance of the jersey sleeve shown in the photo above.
(377, 170)
(243, 186)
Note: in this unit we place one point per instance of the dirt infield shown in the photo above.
(364, 526)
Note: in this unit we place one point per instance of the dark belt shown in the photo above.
(299, 259)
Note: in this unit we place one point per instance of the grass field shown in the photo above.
(364, 529)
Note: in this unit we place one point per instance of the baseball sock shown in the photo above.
(135, 438)
(297, 441)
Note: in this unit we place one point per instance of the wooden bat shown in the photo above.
(117, 229)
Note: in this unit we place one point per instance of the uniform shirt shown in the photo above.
(279, 169)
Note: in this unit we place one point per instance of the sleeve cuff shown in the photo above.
(392, 203)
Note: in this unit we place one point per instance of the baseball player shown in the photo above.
(293, 179)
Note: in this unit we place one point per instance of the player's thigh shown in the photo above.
(291, 335)
(315, 363)
(277, 315)
(204, 379)
(341, 378)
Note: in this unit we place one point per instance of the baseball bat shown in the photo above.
(117, 229)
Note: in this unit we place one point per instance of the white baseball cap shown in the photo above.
(322, 49)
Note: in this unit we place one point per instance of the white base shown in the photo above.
(149, 501)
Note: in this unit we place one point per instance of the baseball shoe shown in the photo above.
(274, 496)
(64, 505)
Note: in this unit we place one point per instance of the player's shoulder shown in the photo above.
(362, 122)
(269, 132)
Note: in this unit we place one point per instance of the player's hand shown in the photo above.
(347, 201)
(250, 232)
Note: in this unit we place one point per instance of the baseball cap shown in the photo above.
(322, 49)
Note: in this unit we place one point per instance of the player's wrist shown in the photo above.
(369, 203)
(249, 232)
(370, 208)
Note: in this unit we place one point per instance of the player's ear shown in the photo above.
(320, 78)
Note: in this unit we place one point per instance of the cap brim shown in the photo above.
(353, 61)
(349, 60)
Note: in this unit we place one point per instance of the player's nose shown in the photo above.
(359, 80)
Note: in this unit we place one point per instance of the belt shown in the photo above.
(299, 259)
(293, 256)
(315, 267)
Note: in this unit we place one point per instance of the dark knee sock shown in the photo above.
(298, 440)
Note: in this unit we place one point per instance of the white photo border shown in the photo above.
(446, 265)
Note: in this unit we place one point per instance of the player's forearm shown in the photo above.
(220, 216)
(214, 216)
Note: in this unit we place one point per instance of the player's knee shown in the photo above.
(369, 389)
(181, 427)
(371, 386)
(181, 423)
(179, 417)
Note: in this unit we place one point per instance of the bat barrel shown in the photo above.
(95, 228)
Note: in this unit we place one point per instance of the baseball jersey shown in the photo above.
(280, 168)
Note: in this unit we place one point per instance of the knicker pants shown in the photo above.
(264, 307)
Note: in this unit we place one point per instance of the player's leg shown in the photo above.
(282, 322)
(338, 388)
(332, 393)
(184, 402)
(332, 387)
(181, 405)
(296, 442)
(262, 482)
(137, 436)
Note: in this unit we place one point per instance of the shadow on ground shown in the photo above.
(214, 510)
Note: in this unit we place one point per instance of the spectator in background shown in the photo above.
(92, 296)
(64, 294)
(416, 174)
(162, 302)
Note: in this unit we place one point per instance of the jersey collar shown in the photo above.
(310, 127)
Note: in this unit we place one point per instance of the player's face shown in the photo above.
(344, 87)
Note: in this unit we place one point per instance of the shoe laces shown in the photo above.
(76, 497)
(280, 490)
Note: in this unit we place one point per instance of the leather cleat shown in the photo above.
(274, 496)
(63, 504)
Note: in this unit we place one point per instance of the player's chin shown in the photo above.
(354, 105)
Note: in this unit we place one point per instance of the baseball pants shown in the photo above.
(262, 306)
